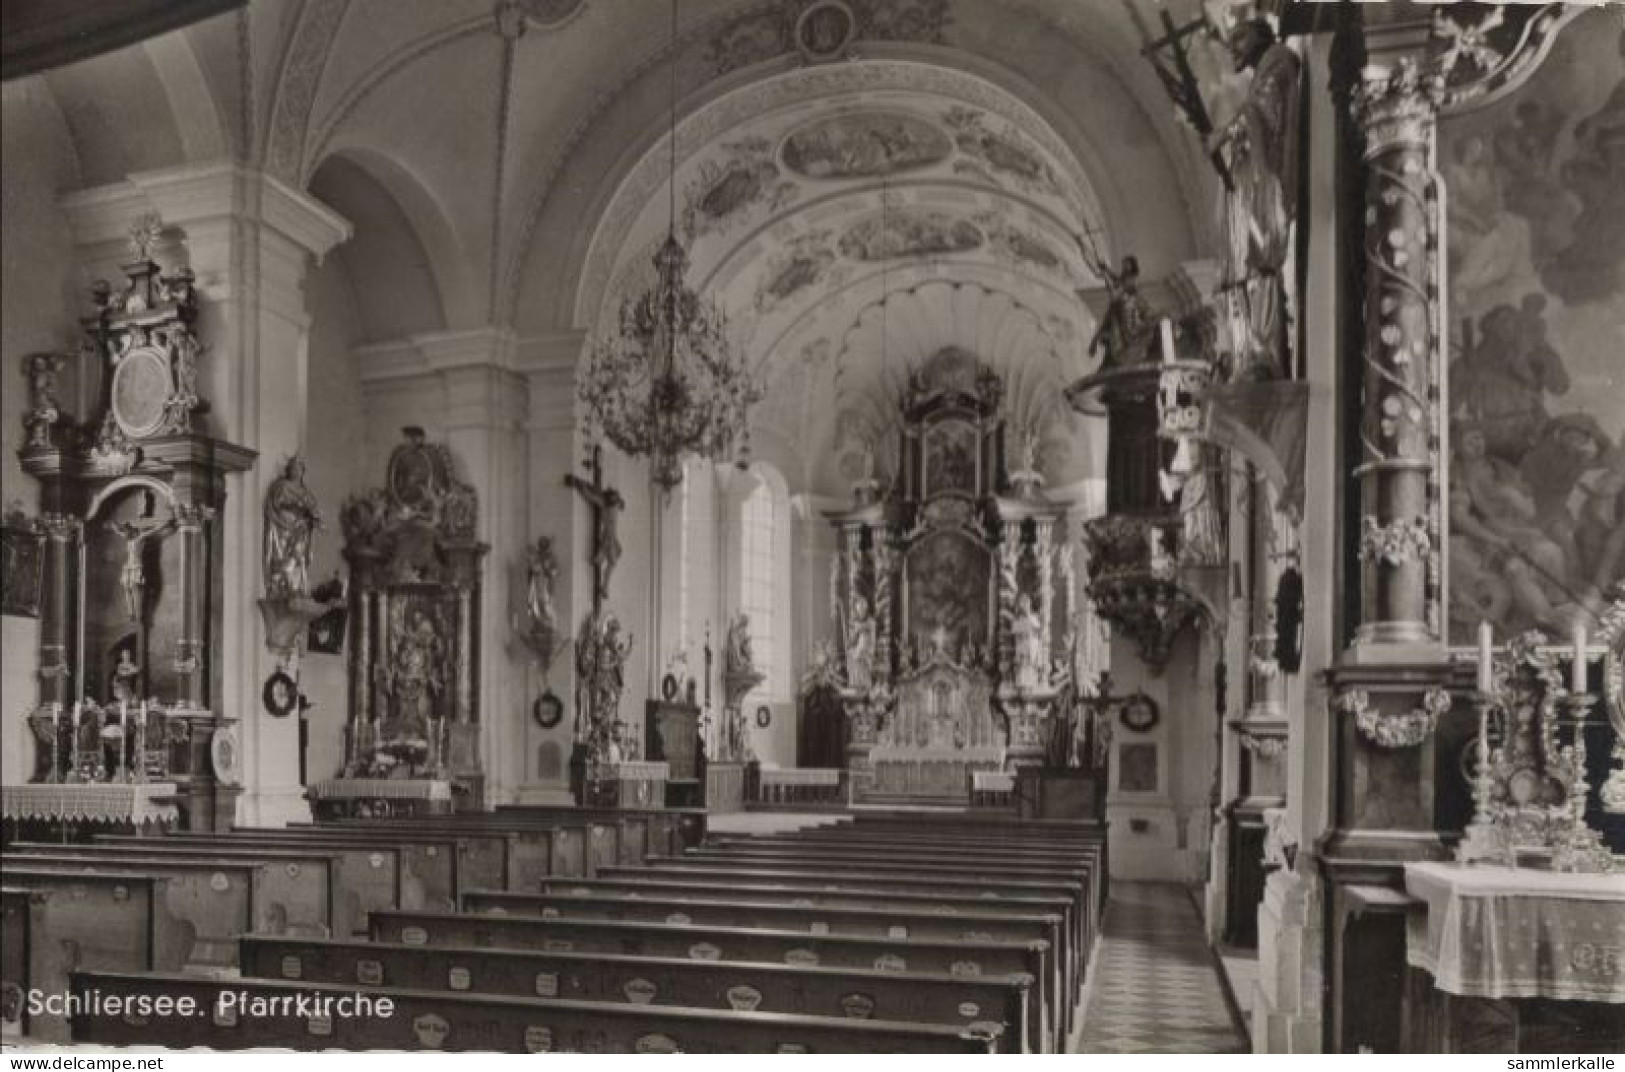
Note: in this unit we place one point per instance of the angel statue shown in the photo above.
(291, 520)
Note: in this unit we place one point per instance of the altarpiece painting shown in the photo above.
(1536, 308)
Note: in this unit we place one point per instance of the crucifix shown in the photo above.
(135, 533)
(606, 503)
(1180, 81)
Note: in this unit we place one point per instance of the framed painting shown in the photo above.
(22, 567)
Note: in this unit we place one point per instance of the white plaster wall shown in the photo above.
(39, 305)
(336, 469)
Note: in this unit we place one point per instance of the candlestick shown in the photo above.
(1486, 673)
(1578, 672)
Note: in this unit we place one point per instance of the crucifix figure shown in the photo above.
(135, 533)
(606, 503)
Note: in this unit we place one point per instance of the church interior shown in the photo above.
(835, 526)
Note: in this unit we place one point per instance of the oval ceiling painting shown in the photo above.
(864, 145)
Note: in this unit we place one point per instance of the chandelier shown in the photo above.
(665, 384)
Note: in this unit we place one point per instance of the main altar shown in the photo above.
(952, 594)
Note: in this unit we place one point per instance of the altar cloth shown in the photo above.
(97, 802)
(1502, 932)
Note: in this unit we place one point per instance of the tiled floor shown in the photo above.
(1156, 987)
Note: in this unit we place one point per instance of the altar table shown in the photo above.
(1501, 932)
(137, 803)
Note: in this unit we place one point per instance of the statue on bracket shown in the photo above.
(291, 520)
(538, 626)
(1261, 144)
(739, 676)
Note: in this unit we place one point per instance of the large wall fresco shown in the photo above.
(1536, 379)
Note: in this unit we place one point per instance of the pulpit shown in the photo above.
(130, 726)
(954, 599)
(413, 733)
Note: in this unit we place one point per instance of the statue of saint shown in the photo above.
(1262, 146)
(541, 573)
(291, 520)
(739, 659)
(860, 646)
(415, 675)
(1128, 316)
(1027, 631)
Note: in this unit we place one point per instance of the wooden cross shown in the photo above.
(606, 502)
(1180, 82)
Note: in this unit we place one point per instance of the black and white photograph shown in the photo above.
(812, 527)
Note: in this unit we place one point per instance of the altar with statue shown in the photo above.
(953, 599)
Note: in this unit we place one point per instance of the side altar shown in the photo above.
(130, 727)
(952, 594)
(412, 741)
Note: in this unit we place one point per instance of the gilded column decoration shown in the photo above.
(1397, 108)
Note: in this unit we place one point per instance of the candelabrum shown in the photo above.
(1485, 840)
(1578, 847)
(1529, 786)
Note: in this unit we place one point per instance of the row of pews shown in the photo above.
(537, 929)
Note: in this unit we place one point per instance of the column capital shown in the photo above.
(1397, 104)
(197, 195)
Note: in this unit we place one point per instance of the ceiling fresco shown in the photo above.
(929, 189)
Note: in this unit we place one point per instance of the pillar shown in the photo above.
(250, 239)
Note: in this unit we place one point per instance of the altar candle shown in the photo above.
(1167, 327)
(76, 717)
(1486, 676)
(1579, 671)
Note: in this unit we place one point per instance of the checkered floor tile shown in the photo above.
(1156, 987)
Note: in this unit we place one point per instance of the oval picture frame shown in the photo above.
(280, 696)
(764, 716)
(224, 756)
(668, 688)
(1139, 713)
(548, 710)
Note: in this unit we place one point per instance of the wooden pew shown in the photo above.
(218, 905)
(108, 918)
(437, 1020)
(930, 840)
(1078, 872)
(704, 942)
(24, 920)
(778, 913)
(677, 828)
(295, 892)
(815, 991)
(822, 887)
(536, 849)
(418, 872)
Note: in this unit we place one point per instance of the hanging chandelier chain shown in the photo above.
(665, 383)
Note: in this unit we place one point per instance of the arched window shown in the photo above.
(764, 579)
